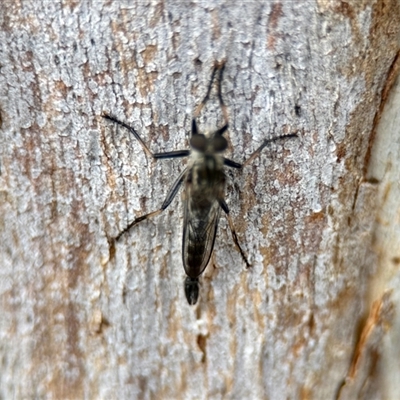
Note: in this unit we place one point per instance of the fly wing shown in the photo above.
(199, 229)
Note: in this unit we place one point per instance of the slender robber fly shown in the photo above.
(204, 190)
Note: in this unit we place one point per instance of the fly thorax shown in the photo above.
(207, 172)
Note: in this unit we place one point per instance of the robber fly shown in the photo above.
(204, 190)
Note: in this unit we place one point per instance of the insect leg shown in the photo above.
(232, 164)
(221, 101)
(169, 154)
(170, 196)
(225, 207)
(264, 144)
(172, 154)
(217, 67)
(207, 96)
(220, 68)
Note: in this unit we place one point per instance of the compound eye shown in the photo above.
(198, 142)
(219, 143)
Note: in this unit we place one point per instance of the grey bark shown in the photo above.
(314, 317)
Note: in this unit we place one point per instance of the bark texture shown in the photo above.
(315, 316)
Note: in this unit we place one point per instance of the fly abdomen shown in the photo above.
(192, 290)
(197, 244)
(199, 236)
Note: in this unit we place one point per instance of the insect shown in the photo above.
(204, 189)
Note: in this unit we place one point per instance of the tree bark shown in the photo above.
(315, 316)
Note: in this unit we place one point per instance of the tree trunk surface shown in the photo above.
(316, 316)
